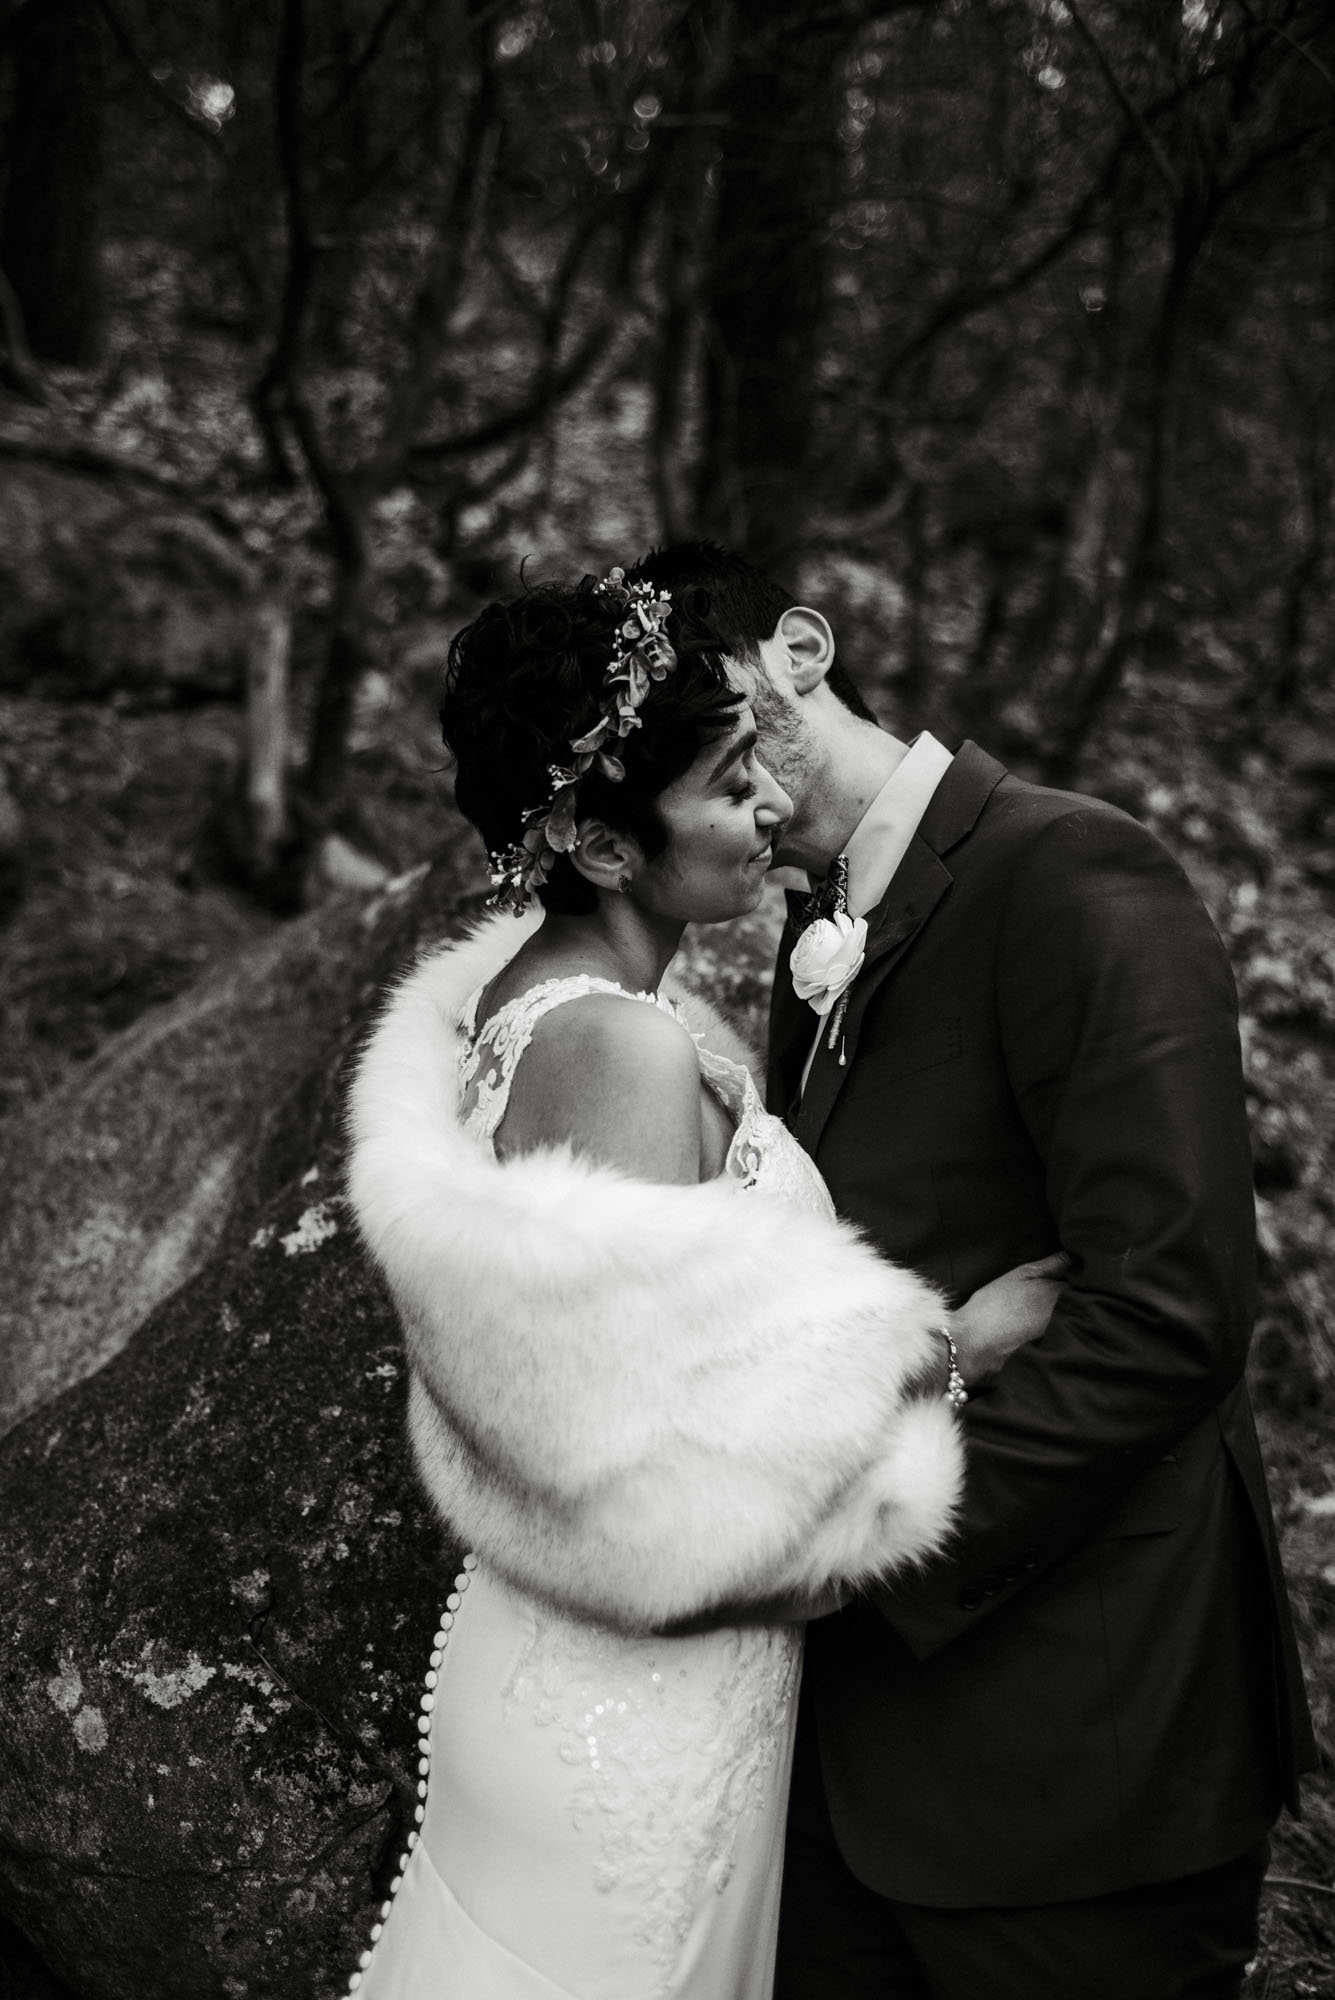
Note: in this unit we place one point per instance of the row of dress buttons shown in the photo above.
(438, 1644)
(995, 1580)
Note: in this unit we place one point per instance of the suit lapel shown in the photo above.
(920, 882)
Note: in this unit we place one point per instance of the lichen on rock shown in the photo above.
(221, 1584)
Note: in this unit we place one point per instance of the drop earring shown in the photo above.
(623, 885)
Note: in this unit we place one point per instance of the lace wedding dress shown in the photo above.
(605, 1815)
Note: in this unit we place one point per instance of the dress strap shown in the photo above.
(491, 1053)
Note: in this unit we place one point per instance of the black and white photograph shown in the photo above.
(667, 1000)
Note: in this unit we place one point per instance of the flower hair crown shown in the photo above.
(641, 655)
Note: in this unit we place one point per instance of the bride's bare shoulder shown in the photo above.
(618, 1079)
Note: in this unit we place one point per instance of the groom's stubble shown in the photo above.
(789, 743)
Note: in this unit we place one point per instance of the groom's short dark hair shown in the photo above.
(741, 603)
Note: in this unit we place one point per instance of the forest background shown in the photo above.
(1002, 329)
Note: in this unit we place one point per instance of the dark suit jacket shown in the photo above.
(1097, 1685)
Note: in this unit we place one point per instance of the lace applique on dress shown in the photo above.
(502, 1040)
(675, 1746)
(762, 1154)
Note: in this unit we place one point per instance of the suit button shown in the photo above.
(1011, 1574)
(971, 1598)
(1029, 1556)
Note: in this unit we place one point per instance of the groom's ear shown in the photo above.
(806, 647)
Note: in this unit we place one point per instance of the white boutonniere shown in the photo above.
(825, 961)
(827, 958)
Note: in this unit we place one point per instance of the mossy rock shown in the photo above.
(120, 1181)
(222, 1584)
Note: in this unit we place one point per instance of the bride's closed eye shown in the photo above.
(745, 783)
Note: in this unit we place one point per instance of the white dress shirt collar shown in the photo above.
(880, 840)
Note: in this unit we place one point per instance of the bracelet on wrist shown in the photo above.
(954, 1392)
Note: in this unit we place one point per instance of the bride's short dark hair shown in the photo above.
(743, 604)
(526, 678)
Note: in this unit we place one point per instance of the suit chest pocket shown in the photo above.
(909, 1054)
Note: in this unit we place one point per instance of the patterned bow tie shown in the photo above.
(830, 897)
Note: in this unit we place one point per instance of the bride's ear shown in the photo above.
(604, 855)
(806, 645)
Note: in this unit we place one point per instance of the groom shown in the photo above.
(1044, 1767)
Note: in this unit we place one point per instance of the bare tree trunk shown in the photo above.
(430, 290)
(992, 623)
(1118, 624)
(342, 128)
(1056, 633)
(49, 235)
(687, 204)
(270, 392)
(13, 848)
(1302, 586)
(18, 370)
(780, 173)
(345, 662)
(913, 683)
(1310, 379)
(268, 678)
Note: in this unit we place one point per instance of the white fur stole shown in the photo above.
(636, 1400)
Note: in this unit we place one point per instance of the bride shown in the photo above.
(667, 1400)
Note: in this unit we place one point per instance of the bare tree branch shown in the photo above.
(200, 128)
(433, 307)
(17, 366)
(371, 48)
(559, 383)
(1252, 168)
(178, 109)
(484, 484)
(965, 303)
(1171, 178)
(356, 70)
(77, 455)
(1301, 49)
